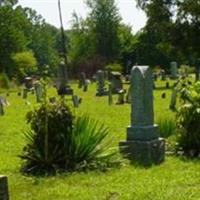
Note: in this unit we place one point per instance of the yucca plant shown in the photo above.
(58, 142)
(86, 146)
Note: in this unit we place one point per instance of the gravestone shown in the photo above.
(173, 70)
(38, 91)
(75, 101)
(28, 83)
(120, 99)
(4, 188)
(63, 87)
(142, 144)
(82, 80)
(101, 90)
(85, 86)
(110, 99)
(116, 82)
(1, 108)
(28, 86)
(172, 105)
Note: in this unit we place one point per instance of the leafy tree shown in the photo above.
(42, 41)
(12, 37)
(25, 63)
(81, 39)
(127, 43)
(155, 45)
(188, 19)
(175, 25)
(105, 19)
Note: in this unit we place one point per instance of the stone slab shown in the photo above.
(144, 152)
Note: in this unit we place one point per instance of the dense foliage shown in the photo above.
(188, 118)
(171, 32)
(101, 38)
(58, 142)
(46, 140)
(23, 30)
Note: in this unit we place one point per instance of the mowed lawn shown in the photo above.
(175, 179)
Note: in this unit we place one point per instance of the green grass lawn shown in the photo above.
(175, 179)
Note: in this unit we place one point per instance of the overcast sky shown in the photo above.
(49, 10)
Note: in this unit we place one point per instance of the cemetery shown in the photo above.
(176, 177)
(82, 119)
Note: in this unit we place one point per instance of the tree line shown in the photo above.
(29, 45)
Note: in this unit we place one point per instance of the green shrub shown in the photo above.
(86, 146)
(58, 142)
(4, 81)
(114, 67)
(50, 125)
(167, 127)
(188, 120)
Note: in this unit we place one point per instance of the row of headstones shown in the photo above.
(115, 81)
(162, 74)
(115, 87)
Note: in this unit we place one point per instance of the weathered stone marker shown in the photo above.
(75, 101)
(38, 91)
(82, 80)
(116, 82)
(28, 86)
(142, 144)
(173, 70)
(101, 90)
(172, 104)
(4, 188)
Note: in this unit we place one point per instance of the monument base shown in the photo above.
(66, 90)
(144, 152)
